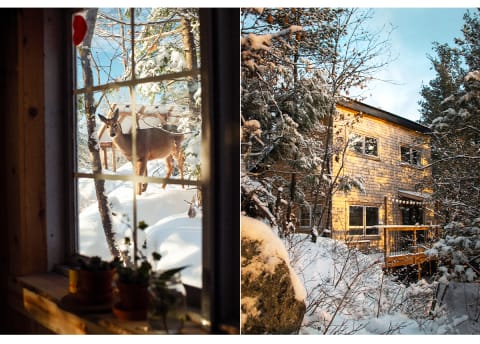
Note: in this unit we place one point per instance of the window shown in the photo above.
(363, 220)
(164, 91)
(306, 218)
(137, 92)
(410, 155)
(364, 145)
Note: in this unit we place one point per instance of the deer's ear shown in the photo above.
(103, 119)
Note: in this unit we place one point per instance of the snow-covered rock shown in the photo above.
(273, 298)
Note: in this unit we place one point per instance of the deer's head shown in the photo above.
(112, 123)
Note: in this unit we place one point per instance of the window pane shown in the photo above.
(371, 231)
(355, 231)
(304, 220)
(371, 215)
(356, 143)
(110, 47)
(91, 235)
(405, 154)
(371, 146)
(165, 111)
(356, 216)
(415, 157)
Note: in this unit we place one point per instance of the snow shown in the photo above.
(171, 232)
(272, 249)
(347, 292)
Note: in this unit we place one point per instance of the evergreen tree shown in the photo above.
(452, 110)
(449, 76)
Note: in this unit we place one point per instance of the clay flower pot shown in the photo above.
(133, 301)
(94, 287)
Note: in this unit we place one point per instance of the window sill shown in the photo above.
(416, 167)
(365, 156)
(39, 298)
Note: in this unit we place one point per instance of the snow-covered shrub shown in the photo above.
(459, 251)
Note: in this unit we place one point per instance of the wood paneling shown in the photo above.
(25, 156)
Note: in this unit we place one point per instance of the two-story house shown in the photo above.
(390, 155)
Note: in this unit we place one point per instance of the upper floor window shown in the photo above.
(364, 144)
(363, 220)
(410, 155)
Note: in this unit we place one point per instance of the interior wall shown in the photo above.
(8, 86)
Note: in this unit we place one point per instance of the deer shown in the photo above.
(152, 143)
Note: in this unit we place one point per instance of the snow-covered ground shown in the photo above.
(348, 293)
(171, 232)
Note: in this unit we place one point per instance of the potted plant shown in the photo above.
(132, 286)
(132, 281)
(94, 278)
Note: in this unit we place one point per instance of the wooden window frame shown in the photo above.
(410, 154)
(363, 149)
(39, 221)
(364, 226)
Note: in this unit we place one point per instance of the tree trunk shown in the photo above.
(190, 58)
(90, 109)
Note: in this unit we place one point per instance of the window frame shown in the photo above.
(410, 152)
(220, 176)
(363, 227)
(309, 209)
(364, 138)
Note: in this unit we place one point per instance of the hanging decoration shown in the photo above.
(79, 28)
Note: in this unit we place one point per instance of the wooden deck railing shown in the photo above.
(406, 245)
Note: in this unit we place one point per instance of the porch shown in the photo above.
(396, 245)
(405, 245)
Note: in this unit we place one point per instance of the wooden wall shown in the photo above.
(383, 175)
(23, 156)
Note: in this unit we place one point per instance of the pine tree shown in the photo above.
(449, 76)
(452, 109)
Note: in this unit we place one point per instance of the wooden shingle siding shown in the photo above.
(383, 175)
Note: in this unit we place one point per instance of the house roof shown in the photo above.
(385, 115)
(417, 196)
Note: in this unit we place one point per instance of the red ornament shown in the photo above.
(79, 29)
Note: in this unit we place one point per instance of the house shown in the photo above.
(390, 155)
(39, 233)
(390, 209)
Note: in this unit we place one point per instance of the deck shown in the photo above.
(400, 245)
(406, 245)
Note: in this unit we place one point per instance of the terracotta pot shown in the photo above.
(133, 296)
(94, 287)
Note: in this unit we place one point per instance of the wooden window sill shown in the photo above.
(39, 297)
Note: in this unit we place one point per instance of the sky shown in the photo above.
(411, 41)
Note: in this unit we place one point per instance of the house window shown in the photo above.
(306, 217)
(363, 220)
(364, 144)
(410, 155)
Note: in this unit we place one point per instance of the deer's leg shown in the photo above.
(145, 174)
(140, 169)
(170, 165)
(180, 157)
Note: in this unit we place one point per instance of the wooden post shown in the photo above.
(385, 222)
(385, 244)
(114, 159)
